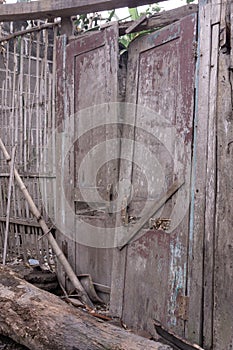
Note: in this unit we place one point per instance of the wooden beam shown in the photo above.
(152, 211)
(62, 8)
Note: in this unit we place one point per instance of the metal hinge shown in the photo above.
(195, 49)
(182, 310)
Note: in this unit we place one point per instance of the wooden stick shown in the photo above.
(9, 203)
(135, 24)
(28, 31)
(59, 254)
(171, 191)
(174, 339)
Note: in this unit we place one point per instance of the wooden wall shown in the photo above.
(210, 257)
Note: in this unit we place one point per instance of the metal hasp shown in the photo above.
(172, 190)
(182, 306)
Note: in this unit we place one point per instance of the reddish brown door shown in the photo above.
(87, 86)
(160, 90)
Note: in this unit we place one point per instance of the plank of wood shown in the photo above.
(160, 19)
(62, 8)
(136, 24)
(153, 210)
(210, 212)
(41, 321)
(198, 186)
(223, 249)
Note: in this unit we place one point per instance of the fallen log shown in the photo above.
(42, 321)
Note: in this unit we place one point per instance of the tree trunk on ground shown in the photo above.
(41, 321)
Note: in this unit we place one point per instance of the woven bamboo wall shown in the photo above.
(27, 116)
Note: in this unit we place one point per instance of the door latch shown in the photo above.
(182, 309)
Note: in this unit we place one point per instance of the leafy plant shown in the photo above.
(93, 21)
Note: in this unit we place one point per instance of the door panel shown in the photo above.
(90, 78)
(160, 85)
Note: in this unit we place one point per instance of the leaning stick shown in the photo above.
(59, 254)
(152, 211)
(11, 179)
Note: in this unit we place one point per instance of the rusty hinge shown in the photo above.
(195, 49)
(182, 310)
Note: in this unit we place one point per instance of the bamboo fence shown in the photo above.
(27, 116)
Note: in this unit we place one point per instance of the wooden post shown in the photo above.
(59, 254)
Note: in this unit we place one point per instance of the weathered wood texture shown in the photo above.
(87, 78)
(199, 178)
(62, 8)
(161, 89)
(41, 321)
(210, 264)
(223, 269)
(211, 177)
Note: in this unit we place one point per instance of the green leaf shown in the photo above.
(124, 40)
(134, 13)
(112, 13)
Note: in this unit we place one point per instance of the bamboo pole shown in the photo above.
(11, 179)
(59, 254)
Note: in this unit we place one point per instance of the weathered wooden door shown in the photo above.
(150, 273)
(87, 90)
